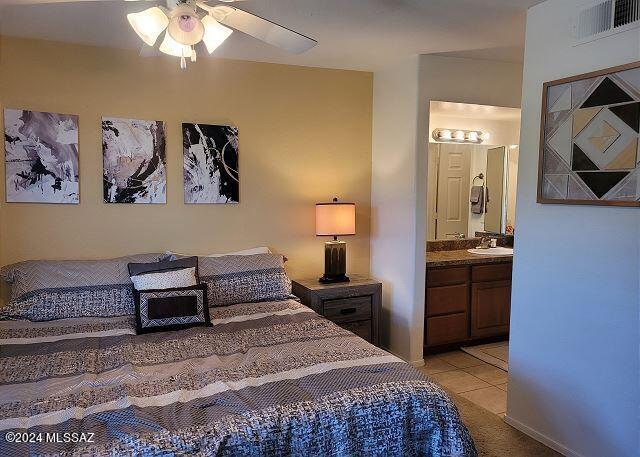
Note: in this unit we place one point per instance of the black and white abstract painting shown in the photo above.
(41, 157)
(210, 163)
(134, 161)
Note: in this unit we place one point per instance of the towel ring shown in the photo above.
(480, 176)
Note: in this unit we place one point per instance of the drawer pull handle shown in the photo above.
(346, 311)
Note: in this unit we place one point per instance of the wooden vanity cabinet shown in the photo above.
(447, 312)
(490, 300)
(467, 303)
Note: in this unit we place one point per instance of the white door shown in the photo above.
(432, 190)
(453, 191)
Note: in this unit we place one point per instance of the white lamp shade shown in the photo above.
(173, 48)
(214, 33)
(185, 27)
(333, 219)
(149, 24)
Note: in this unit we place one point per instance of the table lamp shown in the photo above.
(335, 219)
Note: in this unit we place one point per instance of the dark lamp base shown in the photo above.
(335, 262)
(334, 279)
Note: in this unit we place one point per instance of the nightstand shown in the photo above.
(354, 305)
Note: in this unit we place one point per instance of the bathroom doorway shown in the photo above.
(471, 199)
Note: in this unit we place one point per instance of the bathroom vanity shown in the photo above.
(468, 297)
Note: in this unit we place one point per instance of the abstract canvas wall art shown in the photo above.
(590, 139)
(134, 161)
(210, 163)
(41, 157)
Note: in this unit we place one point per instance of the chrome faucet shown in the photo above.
(485, 243)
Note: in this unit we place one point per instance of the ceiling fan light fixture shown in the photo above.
(149, 24)
(173, 48)
(214, 33)
(185, 26)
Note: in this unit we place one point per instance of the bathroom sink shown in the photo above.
(492, 251)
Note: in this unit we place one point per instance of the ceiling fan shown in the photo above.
(186, 23)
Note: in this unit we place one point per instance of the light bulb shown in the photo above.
(445, 134)
(459, 135)
(472, 136)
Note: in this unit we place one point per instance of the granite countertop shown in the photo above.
(462, 257)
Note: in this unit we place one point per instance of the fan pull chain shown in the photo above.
(183, 61)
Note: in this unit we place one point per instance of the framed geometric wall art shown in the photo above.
(210, 163)
(590, 139)
(134, 161)
(41, 157)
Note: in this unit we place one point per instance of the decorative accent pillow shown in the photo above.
(165, 279)
(244, 279)
(164, 265)
(171, 309)
(43, 290)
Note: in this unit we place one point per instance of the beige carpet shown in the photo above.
(495, 438)
(496, 354)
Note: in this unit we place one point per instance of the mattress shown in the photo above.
(269, 378)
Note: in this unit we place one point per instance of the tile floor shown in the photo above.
(471, 378)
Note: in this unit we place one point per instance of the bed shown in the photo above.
(267, 378)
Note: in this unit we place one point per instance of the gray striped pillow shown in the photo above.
(44, 290)
(244, 278)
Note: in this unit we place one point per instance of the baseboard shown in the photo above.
(415, 363)
(540, 437)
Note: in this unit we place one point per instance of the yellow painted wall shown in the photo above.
(305, 136)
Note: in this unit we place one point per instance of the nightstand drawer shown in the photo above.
(362, 329)
(348, 309)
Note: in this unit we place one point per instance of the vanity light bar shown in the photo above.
(460, 136)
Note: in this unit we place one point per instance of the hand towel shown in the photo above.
(477, 199)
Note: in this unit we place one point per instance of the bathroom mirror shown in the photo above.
(472, 187)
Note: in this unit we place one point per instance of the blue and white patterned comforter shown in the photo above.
(270, 378)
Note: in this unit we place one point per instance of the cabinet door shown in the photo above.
(490, 308)
(452, 328)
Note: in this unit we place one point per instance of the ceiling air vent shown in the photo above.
(626, 12)
(606, 18)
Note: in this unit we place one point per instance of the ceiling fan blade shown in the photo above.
(265, 30)
(42, 2)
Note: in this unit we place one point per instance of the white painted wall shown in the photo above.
(402, 94)
(574, 360)
(480, 82)
(393, 203)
